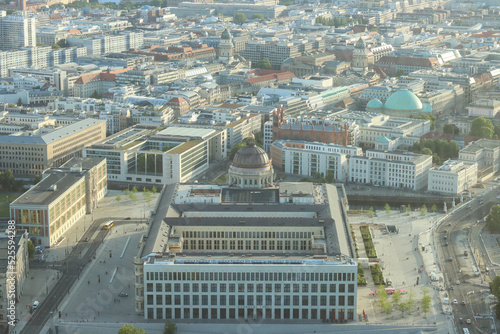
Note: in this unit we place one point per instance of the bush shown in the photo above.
(361, 280)
(377, 276)
(371, 253)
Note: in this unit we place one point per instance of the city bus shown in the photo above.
(108, 225)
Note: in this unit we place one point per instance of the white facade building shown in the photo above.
(401, 170)
(484, 152)
(307, 158)
(453, 177)
(227, 288)
(17, 31)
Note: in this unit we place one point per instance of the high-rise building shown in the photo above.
(17, 31)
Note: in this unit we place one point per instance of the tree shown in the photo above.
(426, 301)
(399, 73)
(264, 63)
(157, 3)
(37, 179)
(493, 219)
(257, 17)
(133, 197)
(396, 298)
(434, 208)
(387, 208)
(451, 129)
(481, 127)
(96, 95)
(148, 197)
(387, 307)
(170, 328)
(55, 46)
(496, 129)
(153, 190)
(329, 176)
(129, 329)
(31, 249)
(423, 210)
(63, 43)
(118, 198)
(235, 149)
(370, 211)
(410, 302)
(408, 208)
(134, 189)
(239, 18)
(19, 102)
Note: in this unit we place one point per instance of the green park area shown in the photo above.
(5, 199)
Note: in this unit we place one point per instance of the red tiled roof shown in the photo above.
(177, 101)
(55, 17)
(485, 34)
(104, 76)
(75, 32)
(271, 77)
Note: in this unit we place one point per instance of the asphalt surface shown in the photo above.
(457, 267)
(70, 269)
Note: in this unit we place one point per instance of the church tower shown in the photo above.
(360, 57)
(226, 47)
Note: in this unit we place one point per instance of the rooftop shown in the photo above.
(184, 147)
(200, 133)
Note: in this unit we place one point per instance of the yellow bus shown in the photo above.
(108, 225)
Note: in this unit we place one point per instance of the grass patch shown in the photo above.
(220, 179)
(4, 203)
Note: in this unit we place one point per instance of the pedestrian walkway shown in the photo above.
(36, 288)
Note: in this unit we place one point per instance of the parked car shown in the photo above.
(455, 301)
(463, 302)
(469, 322)
(123, 294)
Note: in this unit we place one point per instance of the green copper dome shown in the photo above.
(375, 104)
(404, 101)
(225, 34)
(360, 44)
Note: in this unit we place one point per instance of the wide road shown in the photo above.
(450, 239)
(71, 269)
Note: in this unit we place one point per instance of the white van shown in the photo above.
(35, 304)
(446, 301)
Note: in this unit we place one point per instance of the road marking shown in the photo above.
(125, 247)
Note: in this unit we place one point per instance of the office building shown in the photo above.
(270, 252)
(453, 177)
(147, 155)
(400, 170)
(486, 154)
(28, 156)
(60, 199)
(311, 158)
(108, 44)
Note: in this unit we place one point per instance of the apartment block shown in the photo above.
(485, 153)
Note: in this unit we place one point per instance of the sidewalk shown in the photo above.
(38, 283)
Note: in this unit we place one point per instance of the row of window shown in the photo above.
(250, 287)
(247, 276)
(249, 313)
(246, 235)
(247, 245)
(249, 300)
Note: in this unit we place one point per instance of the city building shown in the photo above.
(402, 103)
(60, 199)
(453, 177)
(269, 252)
(29, 155)
(17, 31)
(484, 108)
(122, 41)
(400, 170)
(277, 52)
(251, 168)
(148, 155)
(360, 57)
(226, 47)
(486, 154)
(309, 159)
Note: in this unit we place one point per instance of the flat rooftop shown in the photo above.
(42, 193)
(258, 261)
(177, 131)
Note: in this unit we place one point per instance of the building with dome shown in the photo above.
(251, 168)
(360, 57)
(226, 47)
(402, 103)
